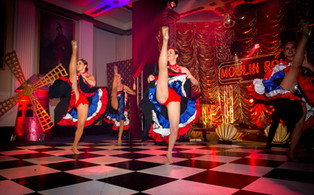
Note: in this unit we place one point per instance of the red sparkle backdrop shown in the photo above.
(203, 46)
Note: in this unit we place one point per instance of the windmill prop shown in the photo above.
(27, 91)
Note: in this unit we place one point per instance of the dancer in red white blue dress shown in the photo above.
(282, 88)
(81, 103)
(118, 112)
(168, 106)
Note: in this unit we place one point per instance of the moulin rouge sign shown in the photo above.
(246, 69)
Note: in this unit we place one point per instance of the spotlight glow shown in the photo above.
(173, 3)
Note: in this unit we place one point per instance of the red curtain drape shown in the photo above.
(146, 20)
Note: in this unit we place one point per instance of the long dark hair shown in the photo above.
(281, 52)
(175, 52)
(85, 63)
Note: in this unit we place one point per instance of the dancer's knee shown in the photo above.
(114, 105)
(174, 131)
(174, 126)
(162, 96)
(162, 100)
(80, 125)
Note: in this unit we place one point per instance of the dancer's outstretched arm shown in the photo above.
(128, 90)
(194, 81)
(90, 79)
(150, 78)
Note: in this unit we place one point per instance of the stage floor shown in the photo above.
(136, 167)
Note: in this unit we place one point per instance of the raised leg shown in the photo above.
(290, 78)
(162, 85)
(72, 70)
(114, 90)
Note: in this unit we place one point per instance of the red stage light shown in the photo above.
(173, 3)
(251, 100)
(256, 46)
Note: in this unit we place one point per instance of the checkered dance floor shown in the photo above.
(136, 167)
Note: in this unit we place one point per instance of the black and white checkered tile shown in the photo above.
(135, 167)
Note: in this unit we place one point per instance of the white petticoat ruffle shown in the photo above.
(259, 86)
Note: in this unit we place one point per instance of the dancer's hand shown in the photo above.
(187, 72)
(74, 44)
(165, 33)
(150, 78)
(84, 75)
(188, 75)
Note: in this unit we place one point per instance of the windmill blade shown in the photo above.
(43, 117)
(10, 59)
(7, 104)
(51, 76)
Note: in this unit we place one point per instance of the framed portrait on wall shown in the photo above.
(55, 35)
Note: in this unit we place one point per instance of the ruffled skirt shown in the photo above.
(156, 122)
